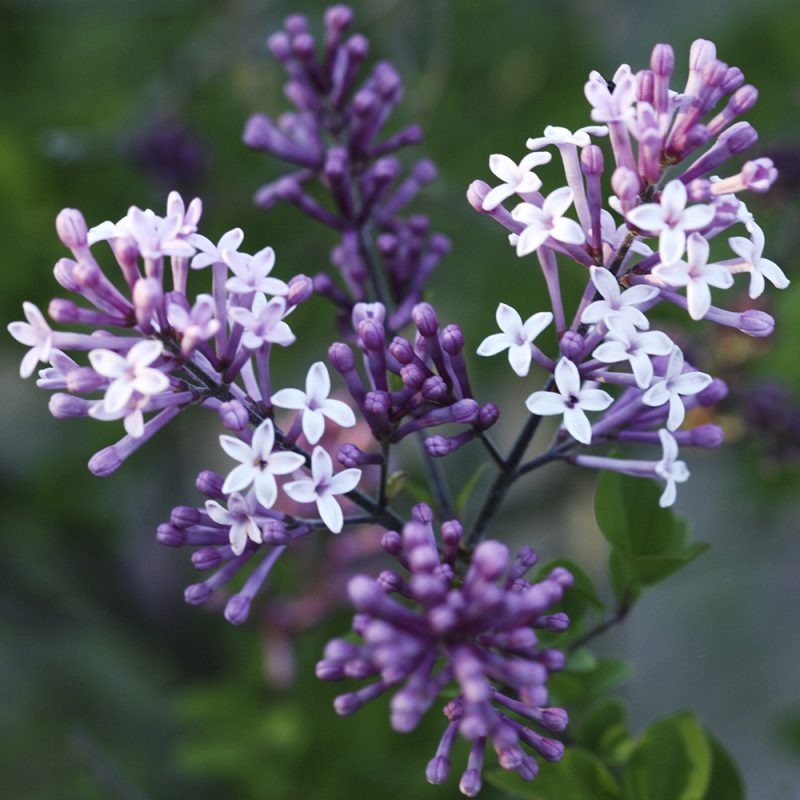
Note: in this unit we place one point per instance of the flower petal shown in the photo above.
(266, 489)
(284, 463)
(290, 398)
(519, 357)
(545, 404)
(344, 481)
(339, 412)
(578, 425)
(302, 491)
(494, 344)
(313, 425)
(239, 478)
(331, 513)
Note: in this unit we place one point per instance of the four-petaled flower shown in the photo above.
(322, 486)
(195, 325)
(612, 100)
(571, 400)
(547, 221)
(156, 236)
(211, 253)
(517, 178)
(670, 469)
(36, 334)
(625, 343)
(750, 251)
(130, 373)
(556, 135)
(696, 275)
(672, 384)
(516, 336)
(258, 464)
(239, 517)
(616, 304)
(671, 220)
(315, 404)
(264, 323)
(251, 273)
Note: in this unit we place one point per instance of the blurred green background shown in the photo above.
(109, 685)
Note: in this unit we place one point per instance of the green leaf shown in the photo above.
(395, 484)
(604, 731)
(578, 689)
(468, 488)
(725, 783)
(670, 761)
(578, 776)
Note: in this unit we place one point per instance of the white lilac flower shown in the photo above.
(696, 275)
(750, 251)
(36, 334)
(157, 236)
(556, 135)
(132, 414)
(614, 235)
(571, 400)
(196, 325)
(674, 384)
(239, 517)
(671, 220)
(315, 404)
(251, 273)
(546, 222)
(616, 304)
(55, 376)
(109, 230)
(264, 323)
(323, 486)
(517, 178)
(258, 464)
(670, 469)
(516, 335)
(130, 373)
(211, 253)
(625, 343)
(189, 217)
(608, 104)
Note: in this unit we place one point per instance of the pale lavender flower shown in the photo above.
(195, 325)
(239, 516)
(517, 178)
(547, 222)
(616, 304)
(264, 323)
(611, 104)
(623, 342)
(517, 337)
(211, 253)
(670, 469)
(251, 273)
(556, 135)
(674, 384)
(750, 251)
(36, 334)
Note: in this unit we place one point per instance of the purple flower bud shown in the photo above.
(274, 532)
(759, 175)
(351, 456)
(341, 357)
(662, 60)
(301, 287)
(438, 770)
(280, 46)
(210, 484)
(452, 339)
(206, 558)
(147, 298)
(339, 17)
(105, 462)
(434, 389)
(234, 415)
(555, 719)
(84, 380)
(378, 403)
(392, 543)
(237, 609)
(64, 273)
(733, 79)
(487, 416)
(413, 375)
(699, 190)
(197, 594)
(425, 319)
(743, 100)
(738, 137)
(716, 391)
(170, 536)
(440, 446)
(424, 171)
(625, 183)
(572, 345)
(71, 229)
(402, 350)
(296, 24)
(592, 160)
(371, 334)
(756, 323)
(452, 531)
(707, 436)
(184, 516)
(490, 559)
(470, 783)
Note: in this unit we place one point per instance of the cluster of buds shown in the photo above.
(664, 190)
(476, 631)
(435, 388)
(334, 136)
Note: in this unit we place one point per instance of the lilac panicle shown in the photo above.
(336, 137)
(477, 633)
(645, 244)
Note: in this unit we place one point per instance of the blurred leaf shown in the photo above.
(395, 483)
(670, 761)
(577, 689)
(578, 776)
(466, 492)
(725, 783)
(604, 731)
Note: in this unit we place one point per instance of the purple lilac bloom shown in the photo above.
(335, 136)
(425, 628)
(644, 244)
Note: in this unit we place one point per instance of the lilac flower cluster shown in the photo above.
(476, 631)
(334, 136)
(666, 147)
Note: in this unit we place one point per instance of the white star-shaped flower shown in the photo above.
(571, 401)
(323, 486)
(624, 343)
(264, 323)
(36, 334)
(517, 178)
(211, 253)
(130, 373)
(609, 104)
(315, 404)
(670, 469)
(251, 273)
(616, 304)
(556, 135)
(258, 464)
(239, 516)
(671, 220)
(696, 275)
(547, 221)
(672, 385)
(516, 335)
(750, 251)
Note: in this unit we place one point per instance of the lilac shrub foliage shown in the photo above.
(458, 611)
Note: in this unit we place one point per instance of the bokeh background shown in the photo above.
(110, 687)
